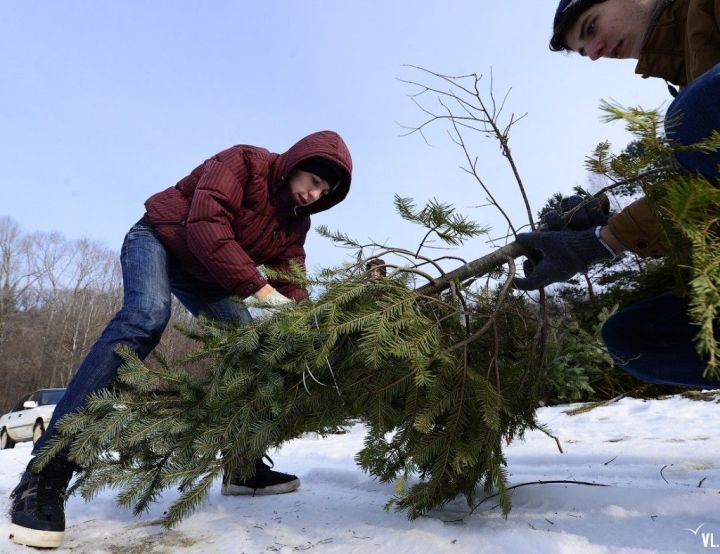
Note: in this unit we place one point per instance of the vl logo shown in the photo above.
(708, 539)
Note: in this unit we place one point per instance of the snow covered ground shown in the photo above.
(660, 458)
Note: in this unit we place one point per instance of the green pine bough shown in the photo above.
(693, 205)
(437, 411)
(687, 207)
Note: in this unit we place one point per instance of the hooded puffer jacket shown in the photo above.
(234, 213)
(681, 44)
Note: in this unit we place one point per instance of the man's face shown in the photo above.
(611, 29)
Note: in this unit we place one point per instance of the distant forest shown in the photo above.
(56, 296)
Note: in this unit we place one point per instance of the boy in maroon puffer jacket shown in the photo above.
(202, 241)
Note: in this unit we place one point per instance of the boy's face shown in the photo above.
(306, 188)
(610, 29)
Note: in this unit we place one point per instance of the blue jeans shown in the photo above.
(692, 117)
(653, 341)
(150, 275)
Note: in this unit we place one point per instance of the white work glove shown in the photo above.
(271, 298)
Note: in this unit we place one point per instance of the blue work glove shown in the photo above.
(577, 213)
(558, 255)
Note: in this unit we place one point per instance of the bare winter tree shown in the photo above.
(56, 297)
(18, 271)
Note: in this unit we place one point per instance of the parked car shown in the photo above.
(28, 419)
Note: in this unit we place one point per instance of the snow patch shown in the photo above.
(651, 504)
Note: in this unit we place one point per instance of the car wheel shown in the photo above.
(5, 440)
(38, 430)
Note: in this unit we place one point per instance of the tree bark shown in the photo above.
(476, 268)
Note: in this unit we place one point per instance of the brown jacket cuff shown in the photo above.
(637, 228)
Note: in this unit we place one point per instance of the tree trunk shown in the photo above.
(476, 268)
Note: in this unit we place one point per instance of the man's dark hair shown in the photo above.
(565, 18)
(377, 263)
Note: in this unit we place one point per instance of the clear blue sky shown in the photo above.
(104, 103)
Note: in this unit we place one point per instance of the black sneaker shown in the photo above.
(265, 481)
(38, 506)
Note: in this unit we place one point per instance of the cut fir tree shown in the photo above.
(441, 380)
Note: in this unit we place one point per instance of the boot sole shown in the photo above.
(36, 537)
(281, 488)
